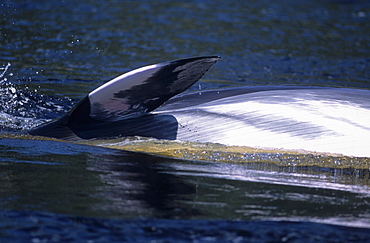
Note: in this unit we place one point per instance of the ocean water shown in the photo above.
(53, 53)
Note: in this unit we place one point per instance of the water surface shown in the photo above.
(53, 53)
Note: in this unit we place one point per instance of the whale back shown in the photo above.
(145, 102)
(334, 120)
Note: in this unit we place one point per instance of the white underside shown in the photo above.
(314, 120)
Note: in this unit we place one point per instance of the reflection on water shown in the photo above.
(88, 181)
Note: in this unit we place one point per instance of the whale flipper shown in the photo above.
(132, 94)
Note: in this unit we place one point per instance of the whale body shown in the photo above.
(146, 102)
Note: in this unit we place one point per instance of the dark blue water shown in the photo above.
(260, 42)
(53, 53)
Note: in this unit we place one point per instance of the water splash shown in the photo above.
(22, 109)
(4, 71)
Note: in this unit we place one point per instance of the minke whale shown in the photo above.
(147, 102)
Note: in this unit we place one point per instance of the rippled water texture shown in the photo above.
(53, 53)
